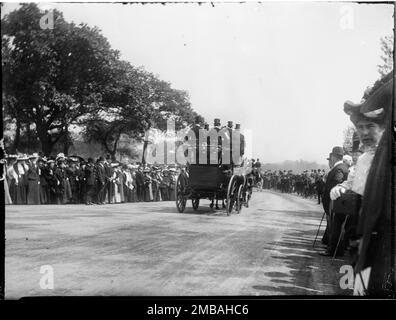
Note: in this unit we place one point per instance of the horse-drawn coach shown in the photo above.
(216, 172)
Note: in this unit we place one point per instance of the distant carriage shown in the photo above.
(219, 181)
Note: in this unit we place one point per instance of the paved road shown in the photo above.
(150, 249)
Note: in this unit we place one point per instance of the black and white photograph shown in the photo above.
(198, 149)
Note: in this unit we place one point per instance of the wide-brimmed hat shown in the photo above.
(34, 155)
(42, 159)
(115, 164)
(22, 157)
(376, 106)
(60, 156)
(337, 151)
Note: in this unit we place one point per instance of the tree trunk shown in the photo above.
(17, 139)
(113, 152)
(45, 140)
(66, 142)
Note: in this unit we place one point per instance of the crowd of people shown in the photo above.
(307, 184)
(356, 193)
(35, 179)
(357, 199)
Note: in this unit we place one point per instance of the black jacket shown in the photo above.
(336, 175)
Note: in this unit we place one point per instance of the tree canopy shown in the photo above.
(53, 78)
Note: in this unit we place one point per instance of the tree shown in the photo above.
(51, 78)
(387, 55)
(137, 101)
(348, 135)
(70, 75)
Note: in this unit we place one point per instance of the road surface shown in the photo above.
(150, 249)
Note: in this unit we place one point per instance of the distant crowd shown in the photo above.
(34, 179)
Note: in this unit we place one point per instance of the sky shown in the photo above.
(282, 70)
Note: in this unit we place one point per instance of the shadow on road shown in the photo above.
(308, 273)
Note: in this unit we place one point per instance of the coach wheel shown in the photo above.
(239, 200)
(231, 194)
(180, 198)
(195, 203)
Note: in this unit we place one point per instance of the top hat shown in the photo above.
(377, 104)
(338, 151)
(237, 126)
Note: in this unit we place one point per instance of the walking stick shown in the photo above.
(317, 232)
(342, 233)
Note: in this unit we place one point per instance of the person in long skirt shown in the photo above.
(172, 175)
(12, 178)
(21, 184)
(52, 181)
(43, 181)
(60, 175)
(116, 197)
(121, 179)
(128, 184)
(67, 182)
(156, 179)
(164, 185)
(134, 195)
(148, 191)
(7, 197)
(33, 179)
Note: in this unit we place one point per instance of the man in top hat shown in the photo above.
(337, 174)
(372, 180)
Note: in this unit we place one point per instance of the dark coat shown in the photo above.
(90, 175)
(139, 179)
(33, 191)
(101, 173)
(376, 225)
(337, 175)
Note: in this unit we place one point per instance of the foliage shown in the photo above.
(348, 135)
(387, 47)
(70, 75)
